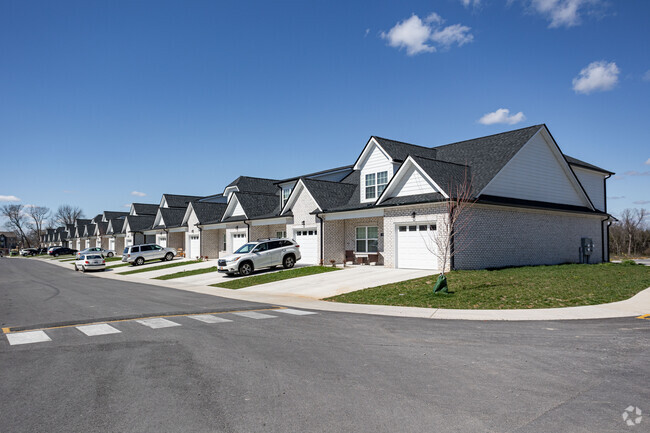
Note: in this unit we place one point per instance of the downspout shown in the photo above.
(452, 235)
(200, 239)
(322, 254)
(604, 236)
(248, 231)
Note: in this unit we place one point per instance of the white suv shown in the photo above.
(263, 253)
(138, 254)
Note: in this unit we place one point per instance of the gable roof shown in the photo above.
(81, 222)
(329, 195)
(257, 205)
(575, 161)
(399, 150)
(109, 215)
(487, 155)
(115, 226)
(208, 212)
(101, 228)
(254, 184)
(145, 208)
(175, 200)
(138, 223)
(171, 217)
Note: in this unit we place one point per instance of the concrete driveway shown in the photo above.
(335, 283)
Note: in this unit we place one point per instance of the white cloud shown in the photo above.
(597, 76)
(647, 162)
(502, 115)
(637, 173)
(468, 3)
(646, 76)
(616, 197)
(128, 206)
(565, 13)
(418, 36)
(9, 198)
(138, 193)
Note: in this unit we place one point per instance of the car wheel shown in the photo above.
(139, 261)
(76, 269)
(83, 269)
(169, 257)
(288, 261)
(246, 268)
(110, 254)
(56, 254)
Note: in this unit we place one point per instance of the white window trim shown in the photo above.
(375, 186)
(366, 240)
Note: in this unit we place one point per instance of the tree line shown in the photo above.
(630, 235)
(29, 222)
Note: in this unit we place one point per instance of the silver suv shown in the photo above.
(138, 254)
(263, 253)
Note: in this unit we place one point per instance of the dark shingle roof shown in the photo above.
(329, 195)
(81, 222)
(102, 226)
(89, 230)
(413, 199)
(575, 161)
(255, 184)
(172, 217)
(449, 176)
(486, 155)
(145, 208)
(174, 200)
(109, 214)
(399, 150)
(116, 224)
(208, 212)
(259, 205)
(140, 222)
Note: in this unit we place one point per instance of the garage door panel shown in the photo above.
(194, 246)
(238, 239)
(308, 241)
(416, 246)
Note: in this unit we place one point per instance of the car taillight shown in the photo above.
(103, 261)
(86, 262)
(297, 246)
(128, 255)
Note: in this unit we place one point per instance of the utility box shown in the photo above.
(586, 249)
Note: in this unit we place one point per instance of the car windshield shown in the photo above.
(246, 248)
(126, 250)
(94, 256)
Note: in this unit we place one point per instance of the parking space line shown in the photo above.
(254, 315)
(295, 312)
(28, 338)
(99, 329)
(157, 322)
(208, 318)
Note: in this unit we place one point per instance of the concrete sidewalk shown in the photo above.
(306, 293)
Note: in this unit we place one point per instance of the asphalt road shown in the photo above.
(324, 372)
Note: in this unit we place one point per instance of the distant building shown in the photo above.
(8, 240)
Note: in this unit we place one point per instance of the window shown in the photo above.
(280, 234)
(367, 239)
(147, 248)
(224, 242)
(275, 244)
(376, 184)
(286, 192)
(261, 248)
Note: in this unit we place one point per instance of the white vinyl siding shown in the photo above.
(376, 162)
(238, 210)
(536, 173)
(594, 184)
(412, 183)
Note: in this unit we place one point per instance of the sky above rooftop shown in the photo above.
(107, 103)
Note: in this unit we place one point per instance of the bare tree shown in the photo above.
(18, 221)
(38, 214)
(67, 214)
(630, 235)
(448, 239)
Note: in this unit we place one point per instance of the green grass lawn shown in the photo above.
(525, 287)
(157, 268)
(240, 283)
(119, 265)
(113, 259)
(187, 273)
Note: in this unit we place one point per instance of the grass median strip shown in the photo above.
(187, 273)
(157, 268)
(512, 288)
(112, 259)
(119, 265)
(240, 283)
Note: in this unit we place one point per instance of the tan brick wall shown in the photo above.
(334, 241)
(211, 243)
(500, 236)
(119, 244)
(176, 240)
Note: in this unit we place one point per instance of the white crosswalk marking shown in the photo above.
(294, 312)
(254, 315)
(27, 337)
(157, 322)
(209, 318)
(99, 329)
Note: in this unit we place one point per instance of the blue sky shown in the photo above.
(99, 100)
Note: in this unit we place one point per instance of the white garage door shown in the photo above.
(111, 244)
(162, 240)
(308, 241)
(238, 239)
(194, 246)
(415, 244)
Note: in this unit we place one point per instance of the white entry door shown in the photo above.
(111, 244)
(162, 241)
(416, 246)
(308, 241)
(238, 239)
(193, 246)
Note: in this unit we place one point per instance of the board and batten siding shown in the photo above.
(536, 173)
(377, 161)
(413, 183)
(594, 184)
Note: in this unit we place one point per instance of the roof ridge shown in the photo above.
(487, 136)
(440, 160)
(260, 178)
(323, 180)
(401, 142)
